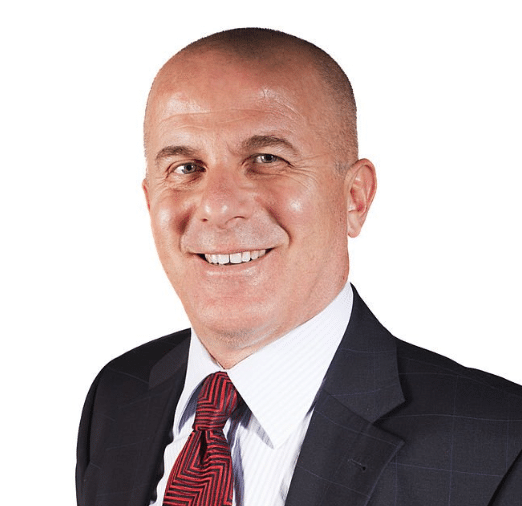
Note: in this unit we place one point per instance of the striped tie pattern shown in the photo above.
(202, 474)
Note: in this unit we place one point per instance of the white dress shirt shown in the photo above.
(278, 384)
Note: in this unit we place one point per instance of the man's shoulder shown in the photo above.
(437, 377)
(139, 361)
(426, 375)
(128, 375)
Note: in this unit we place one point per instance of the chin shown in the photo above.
(238, 329)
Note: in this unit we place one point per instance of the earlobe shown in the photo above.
(145, 186)
(361, 184)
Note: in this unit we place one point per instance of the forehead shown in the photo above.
(217, 91)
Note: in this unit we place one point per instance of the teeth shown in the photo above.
(235, 258)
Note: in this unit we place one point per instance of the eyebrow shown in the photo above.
(266, 141)
(169, 151)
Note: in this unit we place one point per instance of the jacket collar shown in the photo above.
(344, 451)
(363, 375)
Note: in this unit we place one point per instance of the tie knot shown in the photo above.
(217, 400)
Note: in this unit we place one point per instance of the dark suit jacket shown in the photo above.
(393, 425)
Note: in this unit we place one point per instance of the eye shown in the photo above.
(187, 168)
(266, 158)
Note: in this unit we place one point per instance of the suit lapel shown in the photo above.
(344, 452)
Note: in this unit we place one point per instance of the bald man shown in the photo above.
(253, 186)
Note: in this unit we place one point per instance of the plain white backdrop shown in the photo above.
(438, 87)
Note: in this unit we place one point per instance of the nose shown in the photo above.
(225, 198)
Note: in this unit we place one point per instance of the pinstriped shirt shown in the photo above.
(278, 384)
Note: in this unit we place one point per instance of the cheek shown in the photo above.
(290, 197)
(290, 210)
(164, 219)
(297, 209)
(303, 208)
(314, 217)
(168, 221)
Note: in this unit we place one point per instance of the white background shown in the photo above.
(438, 87)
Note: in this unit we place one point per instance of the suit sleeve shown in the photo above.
(87, 438)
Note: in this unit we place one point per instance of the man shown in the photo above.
(253, 186)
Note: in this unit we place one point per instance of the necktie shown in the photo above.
(202, 474)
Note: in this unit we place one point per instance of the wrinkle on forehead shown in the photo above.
(205, 92)
(205, 119)
(259, 115)
(276, 100)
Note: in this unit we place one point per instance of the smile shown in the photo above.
(234, 258)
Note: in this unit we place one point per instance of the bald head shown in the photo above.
(275, 52)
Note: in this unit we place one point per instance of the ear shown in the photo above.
(361, 184)
(145, 186)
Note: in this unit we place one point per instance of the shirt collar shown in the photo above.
(290, 370)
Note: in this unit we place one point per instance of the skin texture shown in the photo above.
(239, 158)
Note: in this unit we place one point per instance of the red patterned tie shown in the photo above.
(202, 474)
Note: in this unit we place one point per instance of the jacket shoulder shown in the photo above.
(480, 410)
(139, 361)
(127, 376)
(415, 362)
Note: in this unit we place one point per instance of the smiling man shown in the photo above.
(254, 185)
(250, 202)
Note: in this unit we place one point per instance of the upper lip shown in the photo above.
(231, 251)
